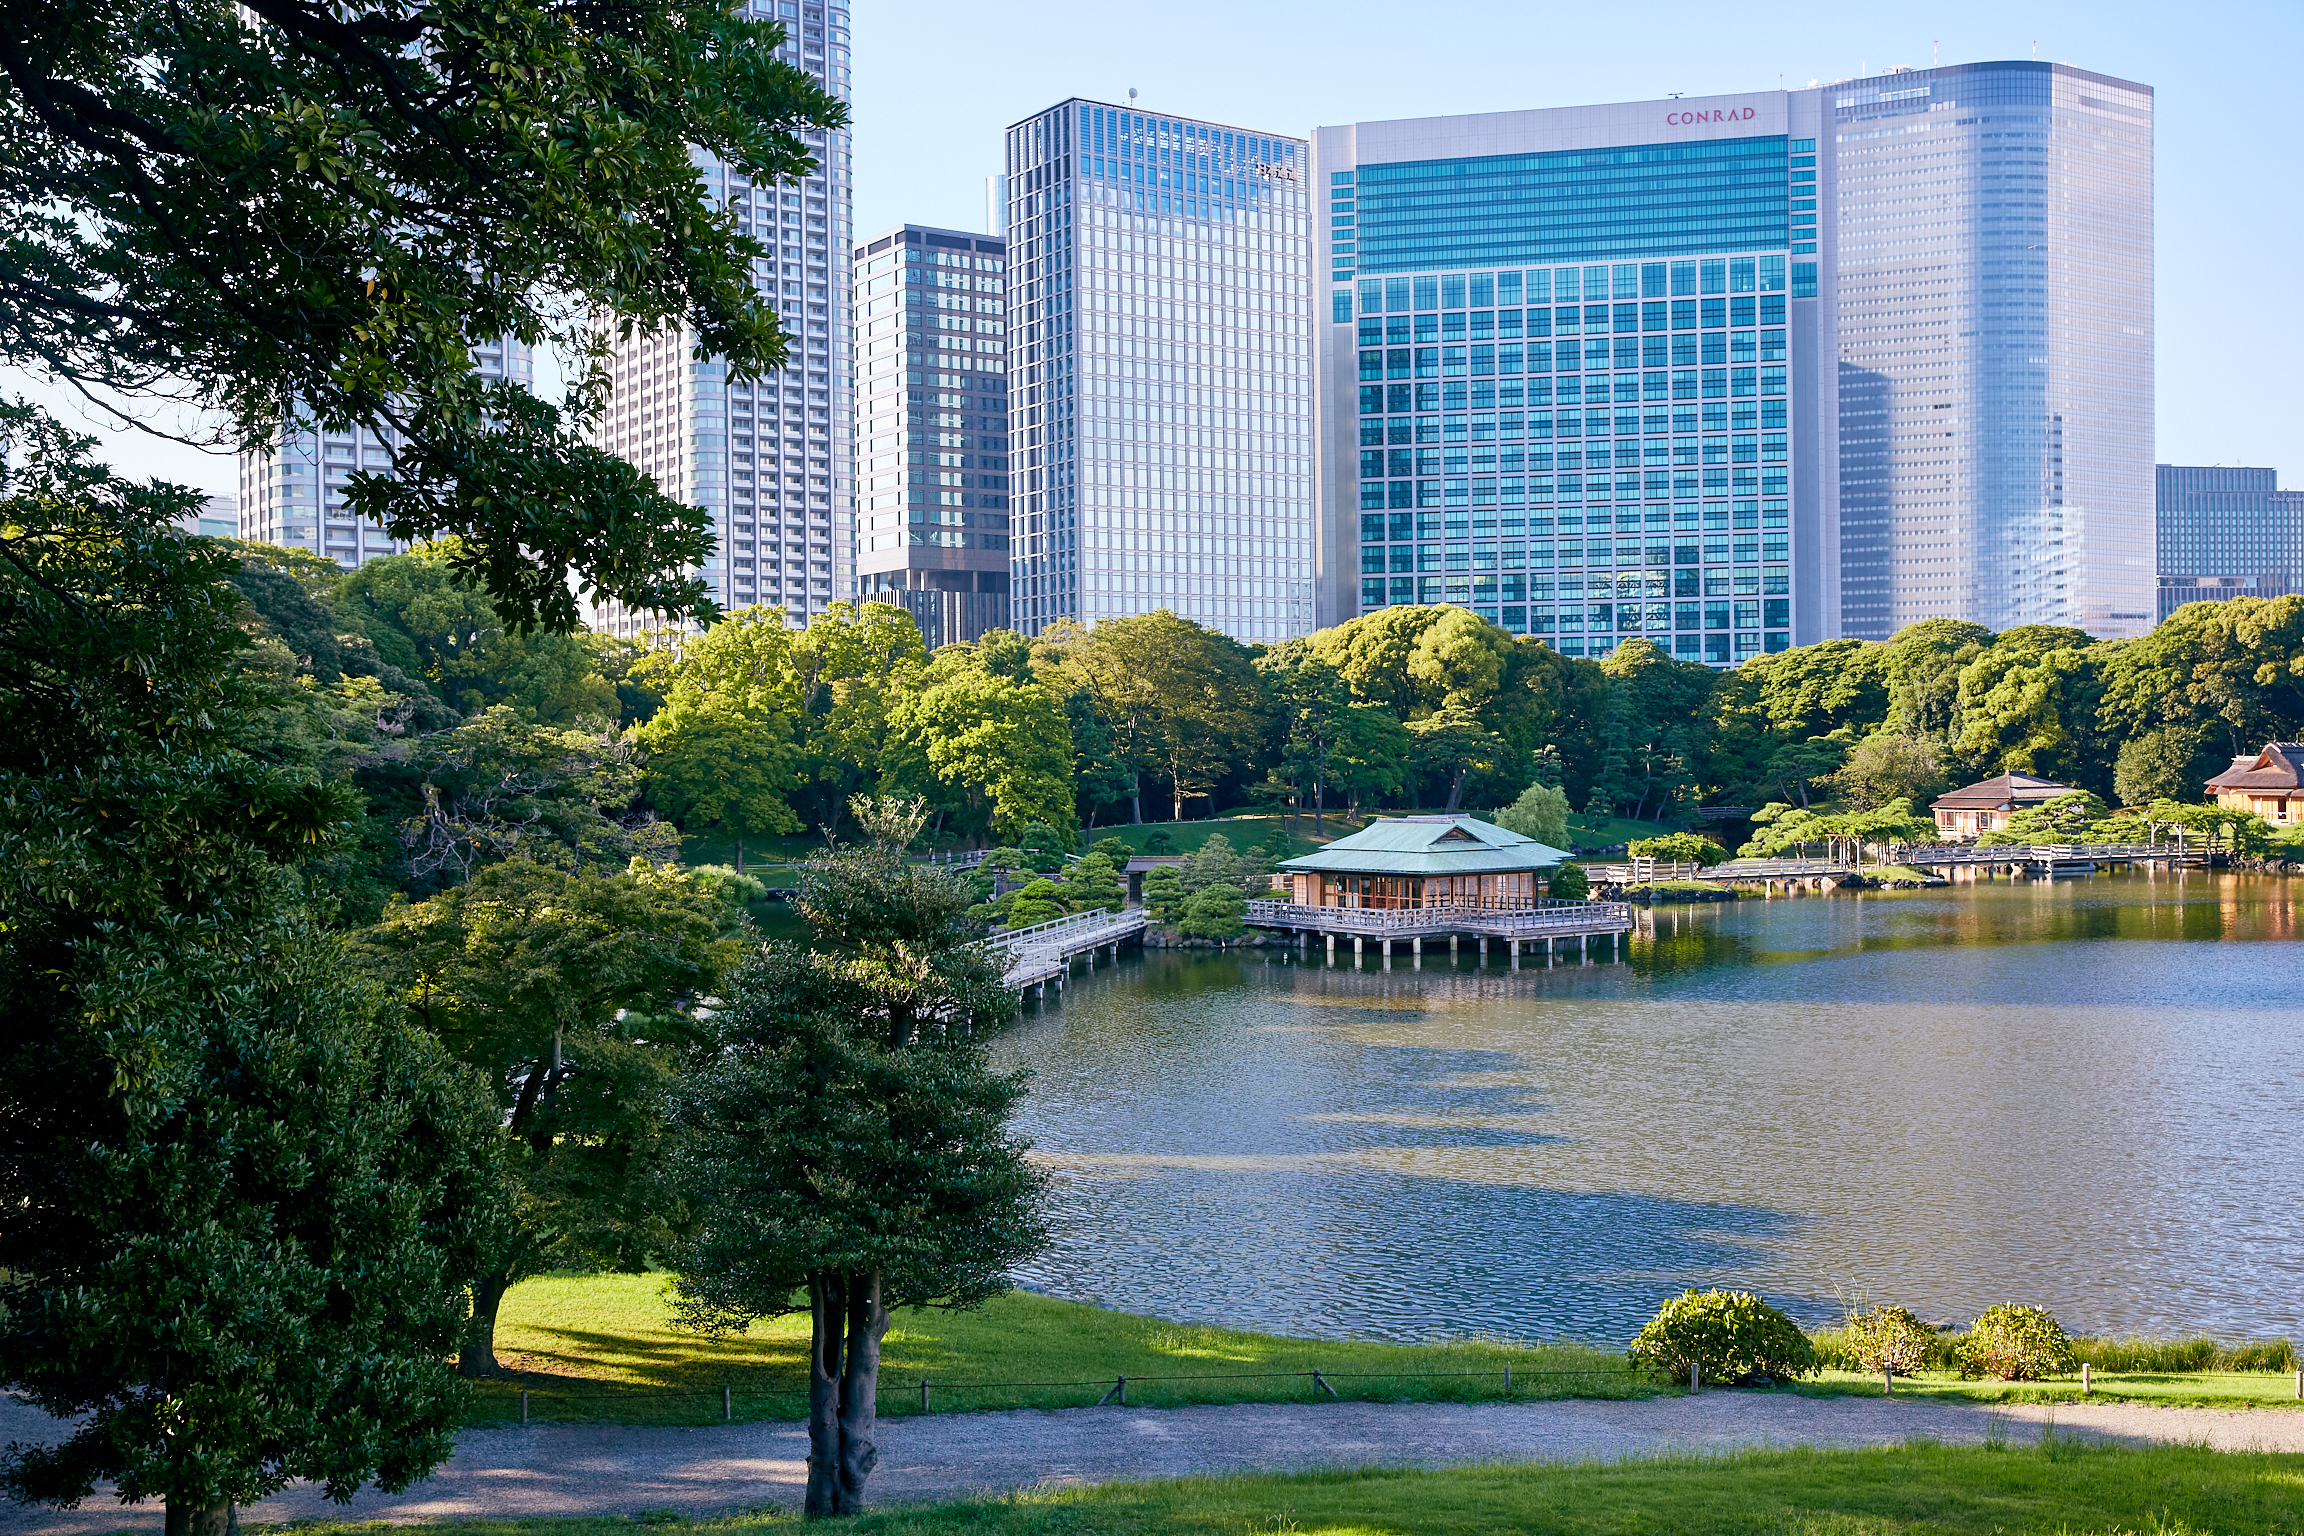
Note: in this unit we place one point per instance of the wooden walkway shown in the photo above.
(1520, 930)
(1043, 954)
(2050, 859)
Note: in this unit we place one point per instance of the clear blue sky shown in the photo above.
(936, 84)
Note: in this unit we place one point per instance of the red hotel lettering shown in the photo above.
(1725, 115)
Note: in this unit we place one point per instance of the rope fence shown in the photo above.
(920, 1394)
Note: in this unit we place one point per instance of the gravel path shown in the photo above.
(570, 1469)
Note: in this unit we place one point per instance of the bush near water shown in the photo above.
(1727, 1336)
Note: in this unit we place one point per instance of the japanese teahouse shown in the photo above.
(1424, 861)
(1412, 878)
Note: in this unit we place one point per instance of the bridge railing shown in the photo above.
(1533, 917)
(1056, 931)
(1752, 868)
(2023, 853)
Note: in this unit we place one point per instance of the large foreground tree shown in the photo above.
(273, 208)
(238, 1209)
(846, 1145)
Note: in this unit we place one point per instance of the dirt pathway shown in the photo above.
(569, 1469)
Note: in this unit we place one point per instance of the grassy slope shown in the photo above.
(1243, 832)
(1917, 1490)
(601, 1347)
(1607, 831)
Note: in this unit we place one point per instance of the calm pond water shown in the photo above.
(2088, 1095)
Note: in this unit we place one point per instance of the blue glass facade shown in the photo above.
(1579, 205)
(2226, 532)
(1588, 449)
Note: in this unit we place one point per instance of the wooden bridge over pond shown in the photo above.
(1041, 956)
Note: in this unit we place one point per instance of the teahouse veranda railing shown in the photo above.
(1527, 917)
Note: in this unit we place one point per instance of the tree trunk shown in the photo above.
(859, 1389)
(847, 1322)
(1319, 806)
(477, 1357)
(1136, 800)
(1456, 789)
(219, 1519)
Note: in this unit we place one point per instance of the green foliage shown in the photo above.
(1038, 902)
(1729, 1336)
(287, 210)
(1679, 848)
(1569, 882)
(1164, 893)
(2015, 1343)
(851, 666)
(570, 992)
(983, 738)
(1215, 863)
(1451, 744)
(1214, 912)
(1160, 843)
(1653, 729)
(1115, 849)
(237, 1207)
(1541, 812)
(846, 1142)
(721, 754)
(1890, 1339)
(1094, 884)
(1887, 766)
(2065, 819)
(2171, 763)
(1044, 840)
(1181, 700)
(1006, 858)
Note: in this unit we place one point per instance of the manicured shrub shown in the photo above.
(1094, 885)
(1678, 848)
(1569, 883)
(1116, 849)
(1160, 842)
(2015, 1344)
(1164, 893)
(1730, 1336)
(1890, 1339)
(1214, 913)
(1039, 902)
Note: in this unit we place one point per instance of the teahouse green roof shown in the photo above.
(1429, 845)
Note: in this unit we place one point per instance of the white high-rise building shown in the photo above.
(1160, 371)
(292, 490)
(772, 462)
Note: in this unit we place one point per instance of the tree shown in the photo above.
(1164, 893)
(2171, 763)
(1654, 729)
(1885, 766)
(238, 1209)
(1313, 705)
(987, 734)
(278, 209)
(846, 1140)
(1924, 663)
(1183, 699)
(1796, 765)
(720, 752)
(1568, 882)
(1453, 743)
(850, 667)
(1541, 812)
(2028, 704)
(526, 973)
(497, 788)
(1038, 902)
(1678, 848)
(1371, 754)
(1093, 884)
(2232, 671)
(2065, 819)
(1214, 913)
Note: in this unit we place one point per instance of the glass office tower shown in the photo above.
(1995, 318)
(1576, 373)
(292, 490)
(2224, 533)
(1160, 350)
(932, 429)
(772, 462)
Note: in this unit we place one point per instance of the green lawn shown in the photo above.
(2183, 1389)
(1242, 831)
(2063, 1488)
(1607, 831)
(602, 1347)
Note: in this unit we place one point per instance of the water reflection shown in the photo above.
(1944, 1098)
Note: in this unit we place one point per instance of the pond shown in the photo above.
(2086, 1094)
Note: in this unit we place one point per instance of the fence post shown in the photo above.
(523, 1405)
(1695, 1377)
(727, 1404)
(2087, 1379)
(923, 1397)
(2300, 1386)
(1507, 1381)
(1887, 1381)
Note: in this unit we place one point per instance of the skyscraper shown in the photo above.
(773, 462)
(1576, 373)
(932, 429)
(1995, 318)
(2224, 533)
(292, 490)
(1160, 350)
